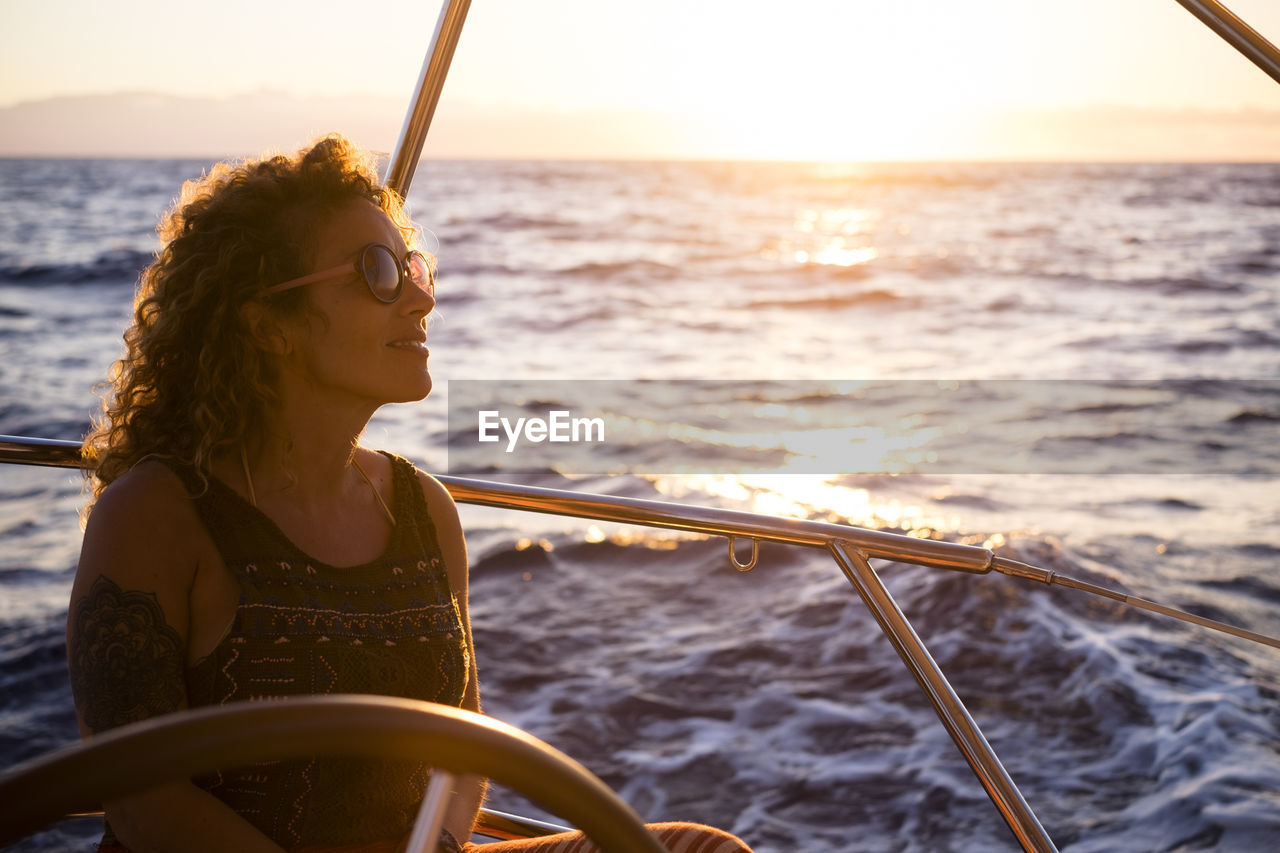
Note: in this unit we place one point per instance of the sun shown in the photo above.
(844, 81)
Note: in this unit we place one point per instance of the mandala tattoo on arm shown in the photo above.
(126, 662)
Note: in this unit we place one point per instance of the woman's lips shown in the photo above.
(413, 344)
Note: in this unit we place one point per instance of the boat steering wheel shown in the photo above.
(133, 758)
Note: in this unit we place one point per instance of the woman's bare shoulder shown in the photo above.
(440, 503)
(150, 481)
(444, 517)
(439, 500)
(143, 531)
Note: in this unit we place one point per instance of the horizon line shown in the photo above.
(158, 125)
(679, 159)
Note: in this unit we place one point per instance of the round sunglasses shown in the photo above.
(383, 272)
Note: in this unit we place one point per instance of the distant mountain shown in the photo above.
(148, 124)
(142, 124)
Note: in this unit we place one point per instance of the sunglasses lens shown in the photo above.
(420, 273)
(381, 272)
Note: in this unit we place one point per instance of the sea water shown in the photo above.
(768, 702)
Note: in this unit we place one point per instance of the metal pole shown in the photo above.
(963, 730)
(698, 519)
(1237, 33)
(426, 829)
(46, 452)
(404, 159)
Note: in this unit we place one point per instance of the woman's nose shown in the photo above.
(419, 296)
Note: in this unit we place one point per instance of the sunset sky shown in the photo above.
(827, 79)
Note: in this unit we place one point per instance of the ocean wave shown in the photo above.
(1203, 345)
(452, 265)
(1119, 438)
(39, 714)
(1166, 198)
(506, 222)
(1250, 586)
(878, 296)
(1005, 304)
(109, 267)
(1038, 232)
(1252, 416)
(1258, 264)
(1256, 337)
(1179, 286)
(973, 501)
(1263, 550)
(1111, 408)
(774, 709)
(629, 270)
(20, 419)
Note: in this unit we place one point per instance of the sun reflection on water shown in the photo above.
(829, 237)
(811, 497)
(836, 254)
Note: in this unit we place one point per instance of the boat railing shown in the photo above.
(426, 94)
(850, 547)
(1236, 32)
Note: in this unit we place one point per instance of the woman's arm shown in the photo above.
(469, 793)
(127, 631)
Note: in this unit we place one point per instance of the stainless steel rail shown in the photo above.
(718, 522)
(404, 160)
(877, 544)
(1237, 33)
(850, 546)
(951, 711)
(505, 826)
(45, 452)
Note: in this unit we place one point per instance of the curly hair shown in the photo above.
(192, 383)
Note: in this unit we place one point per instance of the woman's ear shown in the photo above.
(265, 330)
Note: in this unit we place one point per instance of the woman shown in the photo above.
(240, 543)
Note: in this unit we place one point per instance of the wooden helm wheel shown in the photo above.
(133, 758)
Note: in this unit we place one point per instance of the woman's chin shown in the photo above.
(422, 391)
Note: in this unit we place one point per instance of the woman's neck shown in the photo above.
(304, 452)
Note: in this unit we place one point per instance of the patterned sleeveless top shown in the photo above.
(390, 627)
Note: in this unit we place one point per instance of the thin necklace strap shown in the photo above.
(248, 480)
(377, 494)
(253, 497)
